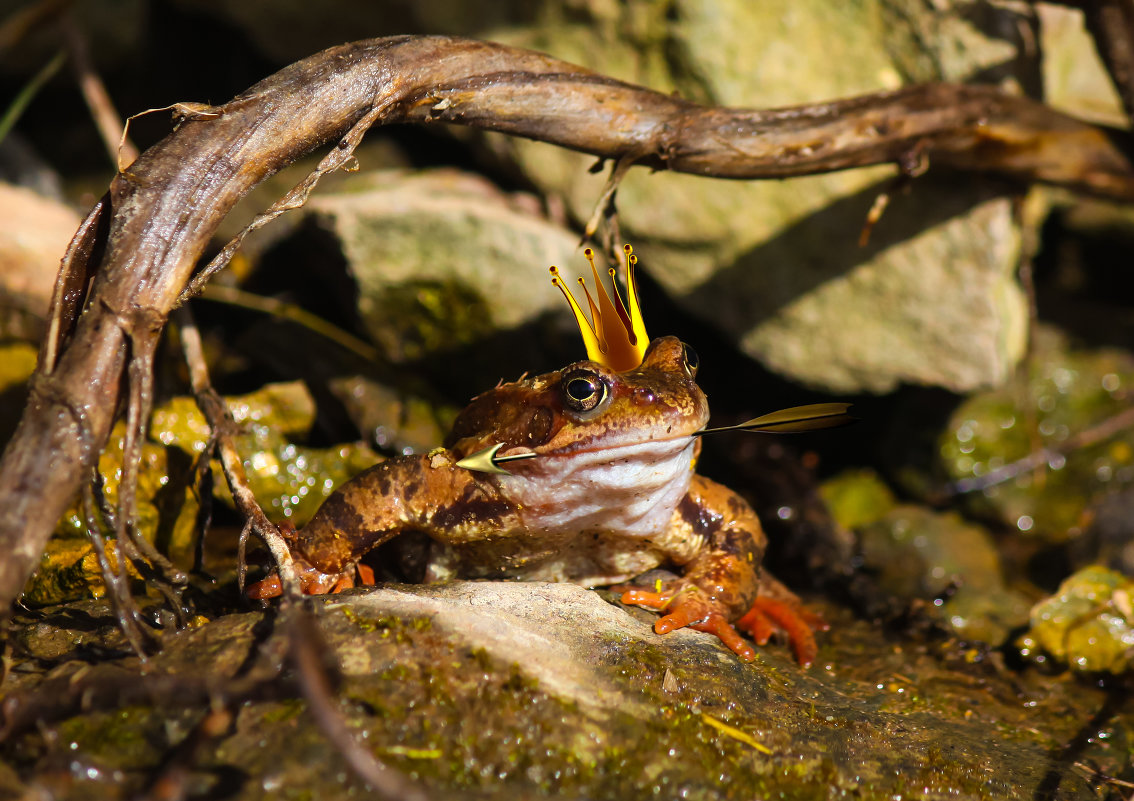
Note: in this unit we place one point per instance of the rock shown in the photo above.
(917, 554)
(494, 690)
(394, 420)
(1088, 623)
(442, 259)
(774, 264)
(857, 498)
(289, 480)
(34, 234)
(1074, 77)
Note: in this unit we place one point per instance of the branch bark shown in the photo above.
(142, 241)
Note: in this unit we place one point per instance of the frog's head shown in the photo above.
(626, 393)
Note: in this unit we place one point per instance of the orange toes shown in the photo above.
(716, 624)
(266, 588)
(652, 600)
(757, 624)
(792, 619)
(688, 606)
(679, 618)
(365, 574)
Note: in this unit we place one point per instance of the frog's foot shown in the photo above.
(689, 606)
(311, 581)
(770, 614)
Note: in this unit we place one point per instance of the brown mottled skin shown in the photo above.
(611, 495)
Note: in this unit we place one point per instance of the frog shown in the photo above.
(600, 488)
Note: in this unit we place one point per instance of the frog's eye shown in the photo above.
(691, 359)
(583, 390)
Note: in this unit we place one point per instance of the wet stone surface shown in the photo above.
(517, 690)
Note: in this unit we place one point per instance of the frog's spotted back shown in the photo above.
(615, 335)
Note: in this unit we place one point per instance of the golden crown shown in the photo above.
(615, 335)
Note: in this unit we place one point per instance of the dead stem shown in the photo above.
(339, 157)
(172, 782)
(109, 687)
(224, 430)
(296, 314)
(117, 583)
(606, 211)
(17, 25)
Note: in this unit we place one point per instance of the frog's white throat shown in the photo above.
(629, 489)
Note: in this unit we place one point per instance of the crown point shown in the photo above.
(614, 335)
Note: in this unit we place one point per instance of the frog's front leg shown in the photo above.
(716, 536)
(411, 493)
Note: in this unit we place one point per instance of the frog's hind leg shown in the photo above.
(311, 580)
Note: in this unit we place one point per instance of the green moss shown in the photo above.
(129, 737)
(167, 517)
(416, 318)
(916, 553)
(283, 711)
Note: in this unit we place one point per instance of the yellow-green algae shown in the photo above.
(290, 481)
(1065, 393)
(167, 514)
(1088, 623)
(885, 719)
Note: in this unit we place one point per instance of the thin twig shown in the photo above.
(607, 211)
(224, 429)
(172, 782)
(20, 23)
(25, 96)
(1045, 457)
(117, 583)
(106, 118)
(307, 652)
(110, 687)
(291, 312)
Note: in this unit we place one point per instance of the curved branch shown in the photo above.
(141, 243)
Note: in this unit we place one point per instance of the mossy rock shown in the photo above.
(1087, 624)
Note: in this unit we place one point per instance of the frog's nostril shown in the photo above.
(644, 396)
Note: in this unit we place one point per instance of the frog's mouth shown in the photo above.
(579, 449)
